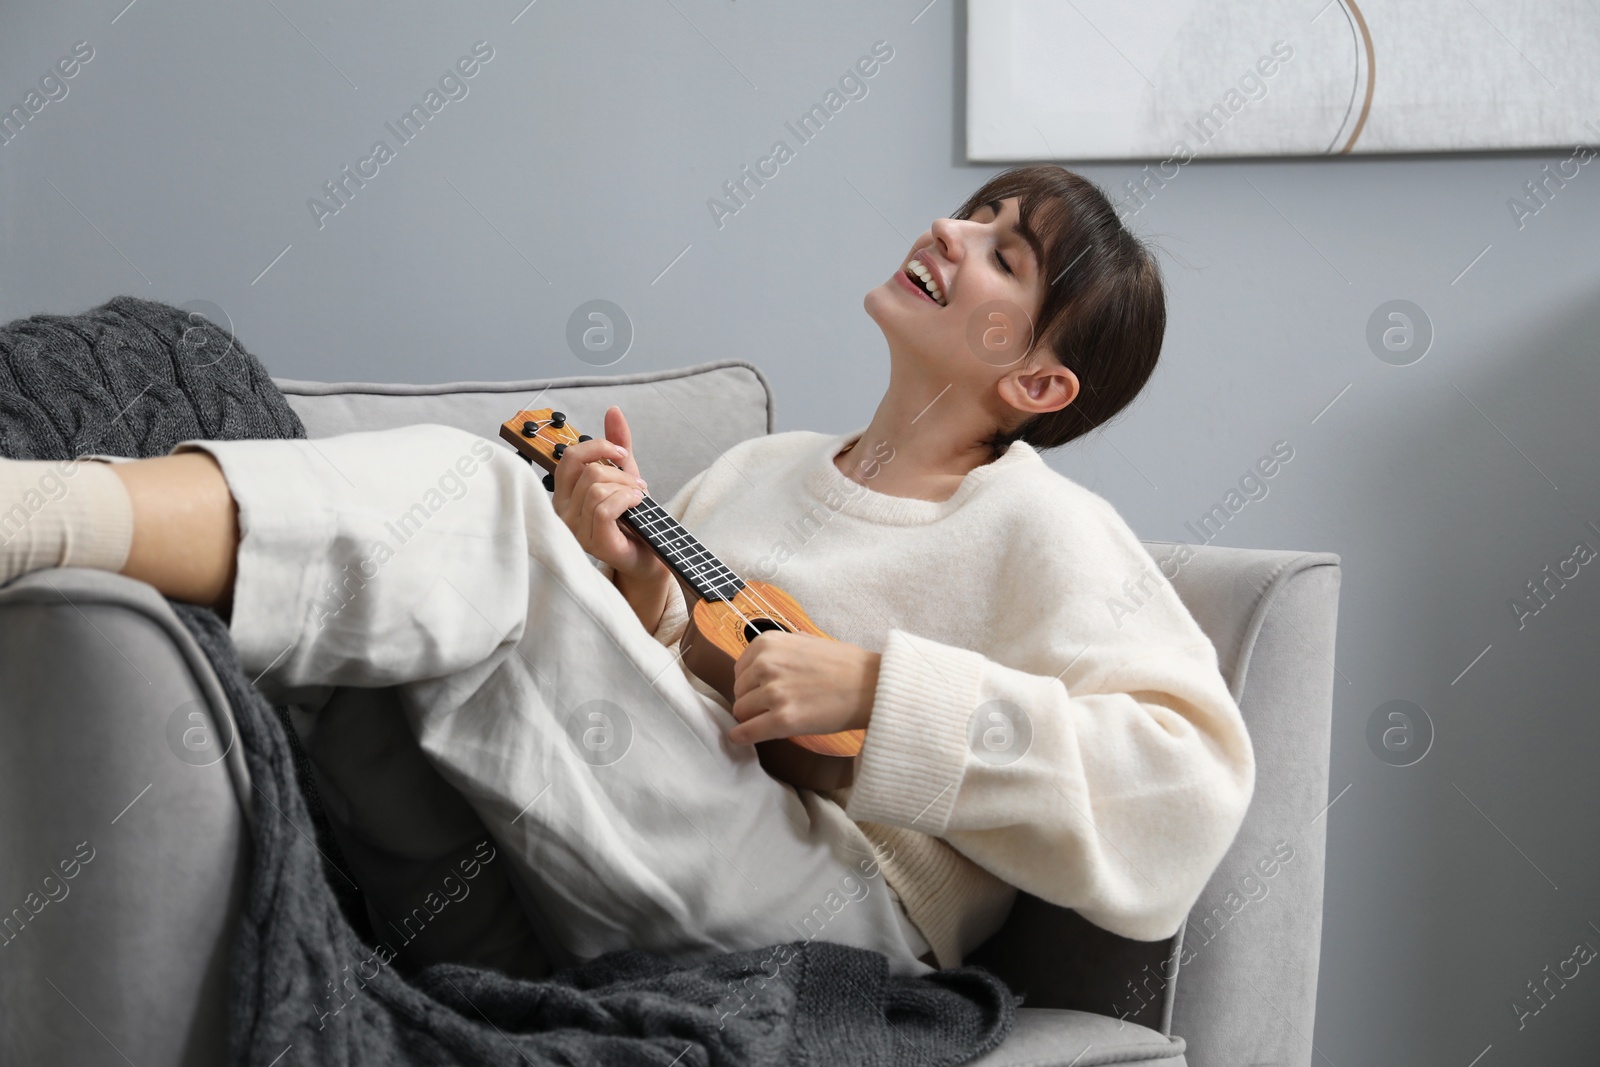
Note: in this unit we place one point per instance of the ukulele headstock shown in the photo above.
(540, 436)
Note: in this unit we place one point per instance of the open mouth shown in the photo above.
(922, 278)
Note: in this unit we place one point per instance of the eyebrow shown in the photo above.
(1027, 236)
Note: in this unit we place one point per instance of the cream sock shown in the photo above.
(62, 513)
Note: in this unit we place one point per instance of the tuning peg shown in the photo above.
(557, 420)
(530, 428)
(559, 449)
(584, 437)
(550, 482)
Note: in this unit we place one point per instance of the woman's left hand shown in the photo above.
(787, 684)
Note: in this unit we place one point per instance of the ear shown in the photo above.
(1036, 389)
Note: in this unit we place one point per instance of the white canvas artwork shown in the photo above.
(1150, 79)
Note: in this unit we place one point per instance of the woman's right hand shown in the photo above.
(591, 495)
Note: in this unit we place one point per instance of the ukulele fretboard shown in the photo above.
(693, 562)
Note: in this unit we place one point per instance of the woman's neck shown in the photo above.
(935, 440)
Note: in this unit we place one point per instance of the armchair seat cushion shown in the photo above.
(1061, 1037)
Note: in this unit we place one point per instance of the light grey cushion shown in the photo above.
(681, 420)
(1057, 1037)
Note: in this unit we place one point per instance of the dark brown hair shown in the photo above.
(1104, 310)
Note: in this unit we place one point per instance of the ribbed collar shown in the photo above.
(823, 480)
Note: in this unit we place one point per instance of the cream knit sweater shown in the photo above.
(1048, 716)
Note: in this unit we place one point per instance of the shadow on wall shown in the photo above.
(1467, 508)
(958, 90)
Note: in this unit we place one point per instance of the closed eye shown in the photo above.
(1003, 264)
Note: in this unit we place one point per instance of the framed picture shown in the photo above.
(1153, 79)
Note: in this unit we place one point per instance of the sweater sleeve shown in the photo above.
(1109, 776)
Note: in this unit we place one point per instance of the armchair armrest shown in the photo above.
(123, 823)
(1246, 990)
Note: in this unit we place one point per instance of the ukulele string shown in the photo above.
(679, 557)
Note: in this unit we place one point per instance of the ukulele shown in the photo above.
(728, 612)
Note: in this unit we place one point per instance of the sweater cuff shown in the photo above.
(914, 758)
(674, 616)
(97, 522)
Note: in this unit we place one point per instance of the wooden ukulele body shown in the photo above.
(719, 631)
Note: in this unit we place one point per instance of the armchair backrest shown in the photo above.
(681, 420)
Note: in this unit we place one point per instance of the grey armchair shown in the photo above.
(115, 765)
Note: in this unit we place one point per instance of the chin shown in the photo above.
(875, 300)
(889, 308)
(900, 335)
(908, 336)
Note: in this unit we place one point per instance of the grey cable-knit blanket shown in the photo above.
(134, 377)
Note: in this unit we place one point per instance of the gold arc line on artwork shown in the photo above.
(1372, 73)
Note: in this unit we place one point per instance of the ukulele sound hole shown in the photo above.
(756, 627)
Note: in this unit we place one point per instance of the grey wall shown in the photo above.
(578, 166)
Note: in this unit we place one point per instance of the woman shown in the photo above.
(1041, 712)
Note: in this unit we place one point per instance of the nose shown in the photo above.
(947, 237)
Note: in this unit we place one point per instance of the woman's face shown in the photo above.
(989, 292)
